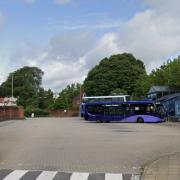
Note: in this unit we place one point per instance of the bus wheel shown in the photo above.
(140, 120)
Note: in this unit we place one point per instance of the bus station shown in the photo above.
(89, 90)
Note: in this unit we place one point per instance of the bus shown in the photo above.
(87, 99)
(131, 111)
(118, 98)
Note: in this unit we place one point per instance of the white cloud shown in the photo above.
(166, 7)
(61, 2)
(105, 47)
(60, 74)
(152, 35)
(60, 59)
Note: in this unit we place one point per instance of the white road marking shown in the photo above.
(15, 175)
(113, 177)
(47, 175)
(79, 176)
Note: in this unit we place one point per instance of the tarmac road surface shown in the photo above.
(74, 145)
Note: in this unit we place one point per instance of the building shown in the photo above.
(1, 101)
(172, 105)
(159, 91)
(8, 101)
(9, 109)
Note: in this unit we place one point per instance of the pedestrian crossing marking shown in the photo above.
(15, 175)
(47, 175)
(113, 177)
(6, 174)
(79, 176)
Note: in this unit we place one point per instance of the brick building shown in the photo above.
(9, 109)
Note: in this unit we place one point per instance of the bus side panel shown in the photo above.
(152, 119)
(118, 117)
(147, 118)
(130, 118)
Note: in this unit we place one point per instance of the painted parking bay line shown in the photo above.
(15, 175)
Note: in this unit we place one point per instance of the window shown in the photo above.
(177, 107)
(96, 109)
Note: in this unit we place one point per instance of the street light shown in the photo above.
(12, 85)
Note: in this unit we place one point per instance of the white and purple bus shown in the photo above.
(115, 98)
(130, 111)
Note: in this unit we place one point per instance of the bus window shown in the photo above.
(111, 110)
(139, 109)
(129, 109)
(98, 109)
(119, 110)
(106, 110)
(150, 108)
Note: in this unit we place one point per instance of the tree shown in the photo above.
(118, 91)
(142, 86)
(167, 74)
(120, 71)
(27, 83)
(45, 98)
(65, 99)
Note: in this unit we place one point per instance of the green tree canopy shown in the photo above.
(120, 71)
(168, 74)
(27, 83)
(118, 91)
(65, 99)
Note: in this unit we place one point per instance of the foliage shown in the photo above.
(168, 74)
(27, 88)
(65, 99)
(37, 112)
(45, 98)
(118, 91)
(120, 71)
(27, 82)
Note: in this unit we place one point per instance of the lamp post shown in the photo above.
(80, 99)
(12, 83)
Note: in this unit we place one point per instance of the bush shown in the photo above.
(37, 112)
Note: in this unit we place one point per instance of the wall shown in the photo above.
(8, 113)
(64, 113)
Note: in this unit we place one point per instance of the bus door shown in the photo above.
(129, 112)
(114, 113)
(118, 113)
(107, 113)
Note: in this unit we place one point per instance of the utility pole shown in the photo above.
(80, 99)
(81, 93)
(12, 85)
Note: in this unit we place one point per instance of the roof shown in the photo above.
(155, 89)
(102, 97)
(117, 103)
(168, 97)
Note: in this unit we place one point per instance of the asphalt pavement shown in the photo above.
(74, 145)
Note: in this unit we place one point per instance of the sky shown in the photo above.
(66, 38)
